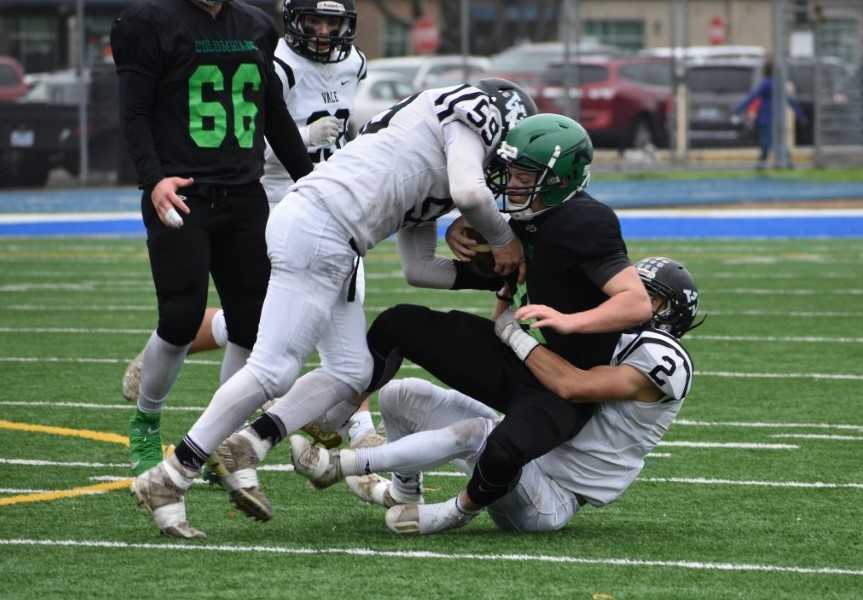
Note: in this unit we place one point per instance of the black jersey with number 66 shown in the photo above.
(212, 78)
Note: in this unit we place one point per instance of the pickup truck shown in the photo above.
(36, 137)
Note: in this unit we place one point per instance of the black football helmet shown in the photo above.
(306, 42)
(671, 281)
(513, 102)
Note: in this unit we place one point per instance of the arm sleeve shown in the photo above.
(280, 129)
(138, 57)
(465, 154)
(420, 265)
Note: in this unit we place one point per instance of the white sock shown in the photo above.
(159, 370)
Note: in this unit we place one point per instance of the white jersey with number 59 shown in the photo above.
(606, 456)
(395, 173)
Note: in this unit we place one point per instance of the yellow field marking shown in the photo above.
(88, 434)
(99, 436)
(99, 488)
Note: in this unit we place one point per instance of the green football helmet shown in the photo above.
(554, 147)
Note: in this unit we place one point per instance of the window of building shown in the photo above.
(627, 35)
(397, 39)
(33, 40)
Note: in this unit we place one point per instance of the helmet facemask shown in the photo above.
(303, 37)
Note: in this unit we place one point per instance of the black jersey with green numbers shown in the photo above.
(571, 252)
(211, 74)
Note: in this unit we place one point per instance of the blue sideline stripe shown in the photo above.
(634, 227)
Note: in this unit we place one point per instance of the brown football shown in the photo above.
(483, 261)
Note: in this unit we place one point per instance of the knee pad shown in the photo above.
(219, 329)
(355, 373)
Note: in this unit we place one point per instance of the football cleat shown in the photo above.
(369, 440)
(163, 497)
(235, 463)
(132, 378)
(378, 490)
(145, 441)
(319, 465)
(426, 519)
(327, 439)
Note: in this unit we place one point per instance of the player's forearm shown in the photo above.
(558, 375)
(137, 98)
(619, 313)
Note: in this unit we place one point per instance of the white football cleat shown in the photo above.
(236, 463)
(426, 519)
(319, 465)
(132, 378)
(161, 492)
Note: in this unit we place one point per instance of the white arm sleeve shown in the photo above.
(465, 153)
(420, 265)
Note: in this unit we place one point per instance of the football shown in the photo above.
(482, 262)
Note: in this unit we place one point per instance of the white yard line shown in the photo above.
(818, 436)
(427, 555)
(729, 445)
(820, 485)
(766, 425)
(17, 491)
(26, 462)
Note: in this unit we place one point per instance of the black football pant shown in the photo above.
(223, 236)
(463, 351)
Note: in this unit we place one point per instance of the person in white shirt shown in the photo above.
(410, 165)
(637, 397)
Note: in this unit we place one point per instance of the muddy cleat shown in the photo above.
(319, 465)
(369, 440)
(161, 492)
(327, 439)
(145, 441)
(132, 378)
(236, 465)
(427, 518)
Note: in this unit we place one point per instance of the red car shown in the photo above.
(624, 102)
(12, 86)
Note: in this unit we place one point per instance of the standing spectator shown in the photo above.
(761, 101)
(198, 92)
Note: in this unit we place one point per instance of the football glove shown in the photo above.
(324, 131)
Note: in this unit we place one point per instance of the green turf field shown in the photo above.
(756, 494)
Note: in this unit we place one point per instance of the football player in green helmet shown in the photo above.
(542, 163)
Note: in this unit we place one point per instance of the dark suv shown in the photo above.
(624, 102)
(716, 87)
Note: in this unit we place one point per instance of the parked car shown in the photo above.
(623, 102)
(434, 70)
(12, 85)
(702, 53)
(376, 93)
(525, 63)
(716, 86)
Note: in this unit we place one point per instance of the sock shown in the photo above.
(189, 456)
(234, 360)
(360, 425)
(159, 370)
(268, 427)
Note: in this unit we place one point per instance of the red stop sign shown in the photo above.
(716, 31)
(425, 36)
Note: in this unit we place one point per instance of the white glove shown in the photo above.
(324, 131)
(510, 333)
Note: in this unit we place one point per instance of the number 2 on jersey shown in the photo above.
(208, 119)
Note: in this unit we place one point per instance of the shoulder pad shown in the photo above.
(471, 106)
(661, 358)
